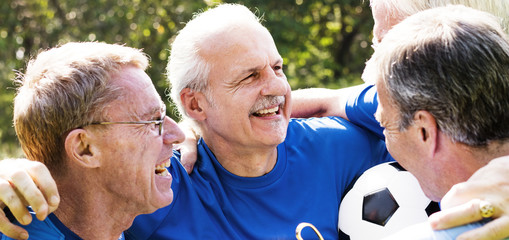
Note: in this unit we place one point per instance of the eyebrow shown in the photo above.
(154, 110)
(244, 72)
(253, 69)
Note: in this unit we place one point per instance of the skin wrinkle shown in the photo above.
(266, 102)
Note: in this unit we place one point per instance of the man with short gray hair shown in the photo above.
(91, 115)
(443, 88)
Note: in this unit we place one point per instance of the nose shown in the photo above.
(172, 133)
(275, 83)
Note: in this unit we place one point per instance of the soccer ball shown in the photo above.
(385, 199)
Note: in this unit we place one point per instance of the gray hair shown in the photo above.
(66, 88)
(452, 62)
(186, 67)
(400, 9)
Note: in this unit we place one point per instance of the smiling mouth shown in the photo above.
(267, 112)
(161, 168)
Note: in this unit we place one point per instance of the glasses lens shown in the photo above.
(163, 117)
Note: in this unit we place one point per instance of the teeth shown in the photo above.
(161, 168)
(163, 173)
(267, 111)
(164, 164)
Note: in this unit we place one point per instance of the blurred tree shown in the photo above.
(324, 43)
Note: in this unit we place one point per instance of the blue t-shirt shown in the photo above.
(360, 109)
(316, 163)
(50, 228)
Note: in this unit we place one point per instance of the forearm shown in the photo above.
(319, 102)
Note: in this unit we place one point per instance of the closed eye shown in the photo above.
(255, 74)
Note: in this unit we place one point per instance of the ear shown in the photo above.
(193, 103)
(79, 149)
(427, 131)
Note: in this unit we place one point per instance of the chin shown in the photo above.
(163, 200)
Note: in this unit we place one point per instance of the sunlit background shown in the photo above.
(324, 43)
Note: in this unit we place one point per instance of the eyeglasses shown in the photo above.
(158, 123)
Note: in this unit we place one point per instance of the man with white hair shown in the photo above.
(259, 174)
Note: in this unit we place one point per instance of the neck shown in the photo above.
(471, 159)
(244, 161)
(90, 212)
(494, 150)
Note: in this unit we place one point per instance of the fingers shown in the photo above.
(488, 187)
(456, 216)
(462, 193)
(468, 213)
(494, 230)
(10, 199)
(11, 230)
(28, 192)
(27, 183)
(47, 186)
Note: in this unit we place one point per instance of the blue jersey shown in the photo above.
(50, 228)
(361, 107)
(316, 163)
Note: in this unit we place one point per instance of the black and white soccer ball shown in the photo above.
(385, 199)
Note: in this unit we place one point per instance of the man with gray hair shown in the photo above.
(443, 87)
(91, 115)
(472, 116)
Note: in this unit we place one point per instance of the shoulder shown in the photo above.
(334, 136)
(328, 127)
(40, 229)
(330, 134)
(315, 124)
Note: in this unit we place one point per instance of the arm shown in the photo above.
(25, 183)
(490, 183)
(357, 104)
(319, 102)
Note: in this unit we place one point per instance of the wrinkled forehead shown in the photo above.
(239, 45)
(138, 96)
(250, 35)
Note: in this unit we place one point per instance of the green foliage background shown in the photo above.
(324, 43)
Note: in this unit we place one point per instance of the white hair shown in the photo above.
(400, 9)
(186, 67)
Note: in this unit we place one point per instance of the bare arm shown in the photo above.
(319, 102)
(490, 183)
(25, 183)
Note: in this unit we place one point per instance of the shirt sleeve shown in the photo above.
(360, 109)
